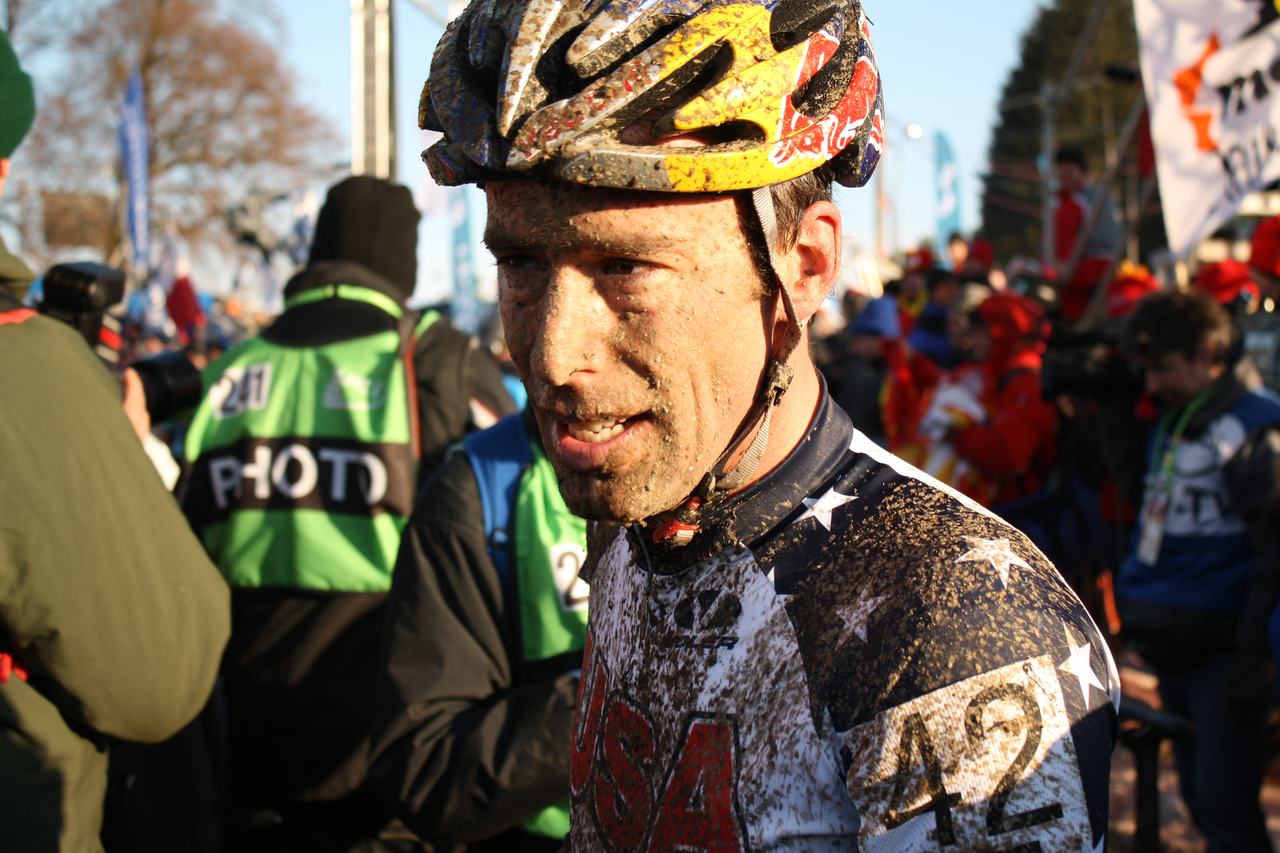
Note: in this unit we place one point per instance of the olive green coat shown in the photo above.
(106, 598)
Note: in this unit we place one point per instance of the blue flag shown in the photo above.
(466, 304)
(947, 188)
(134, 143)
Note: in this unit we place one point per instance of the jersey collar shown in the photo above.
(751, 515)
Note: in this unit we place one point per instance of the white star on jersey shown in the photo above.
(1080, 667)
(855, 616)
(1101, 845)
(995, 551)
(821, 508)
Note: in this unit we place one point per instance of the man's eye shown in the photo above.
(525, 270)
(521, 277)
(621, 267)
(516, 263)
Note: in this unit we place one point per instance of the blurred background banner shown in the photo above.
(466, 303)
(1212, 73)
(134, 144)
(948, 193)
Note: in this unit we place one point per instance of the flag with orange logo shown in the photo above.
(1212, 74)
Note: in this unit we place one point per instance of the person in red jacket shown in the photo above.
(1074, 200)
(1015, 447)
(1227, 281)
(1264, 258)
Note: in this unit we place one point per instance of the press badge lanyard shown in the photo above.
(1157, 508)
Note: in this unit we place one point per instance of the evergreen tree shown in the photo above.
(1090, 116)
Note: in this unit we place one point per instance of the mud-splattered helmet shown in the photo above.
(585, 91)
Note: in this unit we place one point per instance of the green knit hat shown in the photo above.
(17, 100)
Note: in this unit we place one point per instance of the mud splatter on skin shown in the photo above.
(624, 304)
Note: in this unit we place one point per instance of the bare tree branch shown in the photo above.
(223, 109)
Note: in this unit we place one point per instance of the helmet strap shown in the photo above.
(765, 227)
(682, 524)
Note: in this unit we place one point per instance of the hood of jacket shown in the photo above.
(15, 276)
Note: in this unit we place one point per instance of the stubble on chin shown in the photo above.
(602, 497)
(620, 497)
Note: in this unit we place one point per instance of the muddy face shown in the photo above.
(636, 322)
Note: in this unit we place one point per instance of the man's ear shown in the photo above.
(4, 167)
(812, 264)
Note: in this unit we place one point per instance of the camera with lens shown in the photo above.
(1088, 365)
(82, 296)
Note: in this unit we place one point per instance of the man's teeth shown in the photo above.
(596, 432)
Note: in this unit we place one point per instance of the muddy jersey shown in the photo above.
(850, 657)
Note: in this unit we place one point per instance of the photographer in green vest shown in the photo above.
(486, 626)
(304, 457)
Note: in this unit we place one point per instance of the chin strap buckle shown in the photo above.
(684, 523)
(780, 376)
(681, 526)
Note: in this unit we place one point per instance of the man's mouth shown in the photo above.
(587, 445)
(596, 431)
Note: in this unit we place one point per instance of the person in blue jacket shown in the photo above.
(1196, 590)
(929, 337)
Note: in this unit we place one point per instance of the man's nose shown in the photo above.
(571, 337)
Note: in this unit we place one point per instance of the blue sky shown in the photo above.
(943, 64)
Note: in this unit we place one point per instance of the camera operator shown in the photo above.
(1015, 447)
(1196, 590)
(112, 620)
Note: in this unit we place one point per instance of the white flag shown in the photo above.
(1212, 75)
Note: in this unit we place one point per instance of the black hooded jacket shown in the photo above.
(301, 664)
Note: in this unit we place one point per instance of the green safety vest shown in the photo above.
(303, 470)
(547, 548)
(550, 545)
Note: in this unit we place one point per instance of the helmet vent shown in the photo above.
(820, 95)
(557, 76)
(606, 59)
(796, 20)
(699, 74)
(640, 36)
(487, 74)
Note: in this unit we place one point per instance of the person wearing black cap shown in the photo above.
(303, 467)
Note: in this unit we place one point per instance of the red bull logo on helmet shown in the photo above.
(825, 139)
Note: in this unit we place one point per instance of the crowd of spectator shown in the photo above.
(1138, 452)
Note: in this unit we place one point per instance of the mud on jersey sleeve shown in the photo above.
(972, 697)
